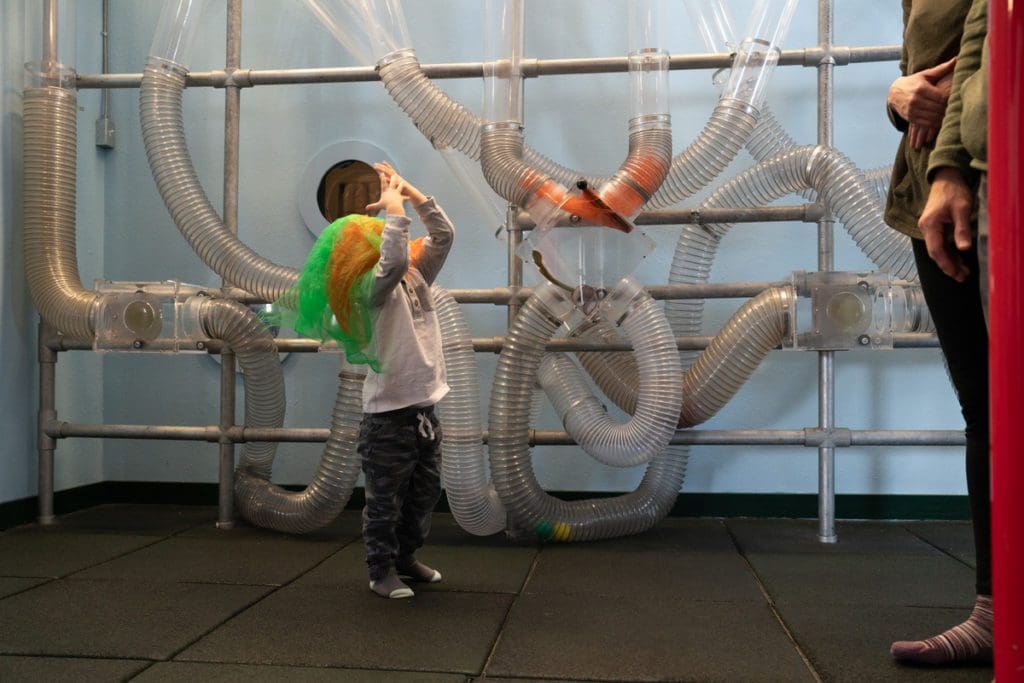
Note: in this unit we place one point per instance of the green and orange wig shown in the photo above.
(331, 299)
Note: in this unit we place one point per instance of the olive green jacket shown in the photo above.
(963, 139)
(931, 36)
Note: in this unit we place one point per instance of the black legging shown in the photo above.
(960, 325)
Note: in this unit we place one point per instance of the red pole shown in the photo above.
(1006, 280)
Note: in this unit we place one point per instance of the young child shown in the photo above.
(400, 437)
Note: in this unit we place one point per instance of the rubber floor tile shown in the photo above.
(116, 618)
(68, 669)
(955, 538)
(46, 554)
(801, 536)
(245, 560)
(11, 586)
(173, 672)
(352, 627)
(937, 581)
(851, 643)
(590, 570)
(149, 520)
(612, 638)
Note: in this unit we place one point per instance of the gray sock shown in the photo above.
(391, 587)
(417, 571)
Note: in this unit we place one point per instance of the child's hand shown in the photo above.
(392, 198)
(386, 171)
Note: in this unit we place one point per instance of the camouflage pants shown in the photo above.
(400, 452)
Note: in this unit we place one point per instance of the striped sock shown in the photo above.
(969, 641)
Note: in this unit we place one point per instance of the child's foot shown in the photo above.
(419, 572)
(391, 587)
(969, 641)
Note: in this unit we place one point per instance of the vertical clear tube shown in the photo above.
(491, 207)
(50, 38)
(503, 53)
(648, 63)
(176, 30)
(346, 22)
(713, 24)
(387, 28)
(759, 51)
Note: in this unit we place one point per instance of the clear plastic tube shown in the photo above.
(442, 120)
(503, 53)
(707, 156)
(176, 30)
(653, 422)
(473, 501)
(530, 509)
(720, 370)
(734, 354)
(258, 500)
(51, 257)
(297, 512)
(758, 52)
(491, 207)
(615, 374)
(253, 345)
(50, 36)
(448, 123)
(839, 184)
(648, 63)
(345, 20)
(386, 22)
(713, 23)
(163, 134)
(769, 138)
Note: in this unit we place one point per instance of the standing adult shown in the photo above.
(932, 198)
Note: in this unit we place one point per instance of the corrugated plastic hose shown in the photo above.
(720, 371)
(163, 133)
(444, 121)
(839, 184)
(51, 258)
(653, 419)
(259, 501)
(473, 501)
(530, 509)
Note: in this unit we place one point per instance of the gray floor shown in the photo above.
(155, 593)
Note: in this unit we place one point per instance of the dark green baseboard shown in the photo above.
(786, 505)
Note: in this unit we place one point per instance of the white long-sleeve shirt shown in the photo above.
(406, 334)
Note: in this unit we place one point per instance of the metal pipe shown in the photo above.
(105, 133)
(226, 464)
(514, 233)
(732, 290)
(826, 262)
(903, 340)
(695, 437)
(1006, 332)
(806, 213)
(232, 119)
(46, 444)
(532, 68)
(105, 36)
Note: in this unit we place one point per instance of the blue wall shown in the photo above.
(579, 121)
(79, 379)
(17, 333)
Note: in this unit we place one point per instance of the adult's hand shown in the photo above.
(946, 222)
(920, 99)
